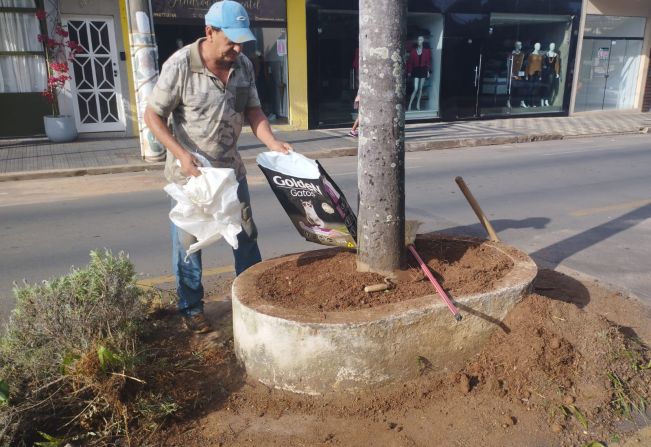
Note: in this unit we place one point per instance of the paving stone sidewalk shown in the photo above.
(38, 158)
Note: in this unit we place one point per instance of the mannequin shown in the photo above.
(534, 73)
(515, 62)
(551, 74)
(418, 67)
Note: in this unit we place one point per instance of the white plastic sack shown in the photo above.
(207, 207)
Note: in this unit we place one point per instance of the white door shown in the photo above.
(97, 97)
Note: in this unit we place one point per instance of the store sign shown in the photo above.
(603, 54)
(267, 10)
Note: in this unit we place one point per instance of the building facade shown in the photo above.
(98, 93)
(465, 59)
(490, 58)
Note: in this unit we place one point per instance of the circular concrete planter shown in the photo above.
(316, 353)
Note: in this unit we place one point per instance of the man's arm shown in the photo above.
(262, 130)
(162, 133)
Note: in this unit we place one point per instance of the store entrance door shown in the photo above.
(463, 44)
(608, 74)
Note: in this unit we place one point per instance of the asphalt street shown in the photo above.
(580, 205)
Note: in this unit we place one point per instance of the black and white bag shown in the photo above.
(312, 200)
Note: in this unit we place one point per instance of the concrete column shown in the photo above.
(297, 63)
(144, 63)
(577, 59)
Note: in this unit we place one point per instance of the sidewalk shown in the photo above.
(37, 158)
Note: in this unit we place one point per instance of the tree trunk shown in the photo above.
(381, 152)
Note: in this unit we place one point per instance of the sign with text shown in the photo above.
(312, 200)
(259, 10)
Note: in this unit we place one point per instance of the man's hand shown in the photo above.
(261, 129)
(280, 146)
(189, 165)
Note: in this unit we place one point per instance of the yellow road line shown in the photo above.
(171, 278)
(605, 209)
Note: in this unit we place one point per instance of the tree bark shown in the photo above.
(381, 151)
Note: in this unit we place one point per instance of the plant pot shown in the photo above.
(60, 128)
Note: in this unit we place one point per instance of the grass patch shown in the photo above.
(626, 401)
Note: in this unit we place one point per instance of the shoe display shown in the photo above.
(197, 323)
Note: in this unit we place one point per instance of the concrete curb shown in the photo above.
(432, 145)
(78, 172)
(416, 146)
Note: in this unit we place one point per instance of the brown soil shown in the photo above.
(542, 381)
(331, 283)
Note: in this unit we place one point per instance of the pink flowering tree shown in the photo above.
(59, 50)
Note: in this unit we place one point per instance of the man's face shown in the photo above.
(220, 48)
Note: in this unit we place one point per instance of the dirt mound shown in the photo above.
(332, 283)
(566, 362)
(571, 366)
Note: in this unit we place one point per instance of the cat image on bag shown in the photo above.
(311, 215)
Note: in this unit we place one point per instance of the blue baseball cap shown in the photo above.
(232, 19)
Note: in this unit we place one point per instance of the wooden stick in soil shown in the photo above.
(477, 209)
(386, 285)
(376, 288)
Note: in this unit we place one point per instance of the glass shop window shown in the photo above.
(524, 64)
(423, 64)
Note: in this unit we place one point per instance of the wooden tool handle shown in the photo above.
(477, 209)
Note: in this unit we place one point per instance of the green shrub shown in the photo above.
(68, 351)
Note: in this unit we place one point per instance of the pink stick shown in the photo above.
(437, 286)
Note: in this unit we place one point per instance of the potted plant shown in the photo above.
(59, 50)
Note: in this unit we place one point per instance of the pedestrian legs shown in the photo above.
(189, 272)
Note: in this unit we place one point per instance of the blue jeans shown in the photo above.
(188, 274)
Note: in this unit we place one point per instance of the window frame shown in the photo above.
(19, 10)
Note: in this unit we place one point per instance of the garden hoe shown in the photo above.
(477, 209)
(411, 226)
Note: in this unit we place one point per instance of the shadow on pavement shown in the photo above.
(554, 254)
(500, 225)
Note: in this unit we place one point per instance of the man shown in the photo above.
(208, 88)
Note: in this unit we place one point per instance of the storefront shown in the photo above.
(465, 59)
(178, 23)
(613, 58)
(610, 63)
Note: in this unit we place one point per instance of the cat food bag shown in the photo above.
(312, 200)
